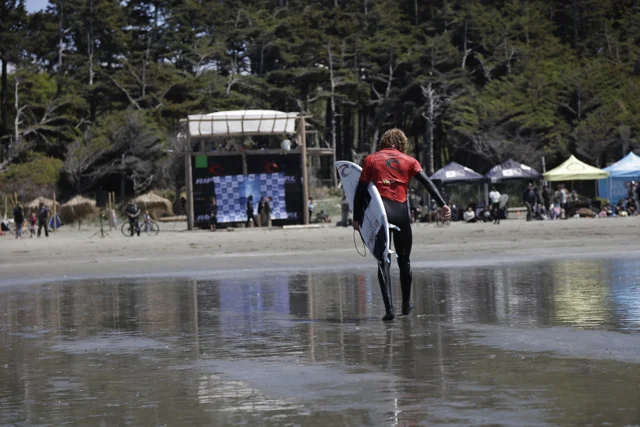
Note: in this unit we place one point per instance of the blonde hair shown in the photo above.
(394, 138)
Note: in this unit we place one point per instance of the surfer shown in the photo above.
(390, 170)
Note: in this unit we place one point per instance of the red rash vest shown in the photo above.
(390, 171)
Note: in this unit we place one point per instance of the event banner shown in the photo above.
(233, 191)
(207, 173)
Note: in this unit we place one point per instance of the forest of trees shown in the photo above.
(96, 88)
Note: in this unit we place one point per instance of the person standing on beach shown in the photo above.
(133, 213)
(390, 170)
(546, 199)
(311, 206)
(344, 205)
(266, 212)
(43, 218)
(260, 211)
(250, 217)
(562, 198)
(494, 196)
(18, 218)
(530, 200)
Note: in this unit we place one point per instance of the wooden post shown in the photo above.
(109, 217)
(189, 183)
(305, 181)
(54, 212)
(16, 199)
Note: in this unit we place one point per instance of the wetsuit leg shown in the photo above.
(384, 278)
(398, 215)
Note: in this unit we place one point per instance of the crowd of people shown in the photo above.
(29, 220)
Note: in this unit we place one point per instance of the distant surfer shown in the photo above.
(390, 170)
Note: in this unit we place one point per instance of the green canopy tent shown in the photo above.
(574, 170)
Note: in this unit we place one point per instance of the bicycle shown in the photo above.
(149, 227)
(126, 229)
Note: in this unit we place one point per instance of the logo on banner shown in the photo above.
(216, 169)
(271, 167)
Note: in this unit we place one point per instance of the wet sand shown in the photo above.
(551, 343)
(72, 254)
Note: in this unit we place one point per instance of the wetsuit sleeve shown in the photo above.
(365, 175)
(361, 191)
(358, 201)
(430, 187)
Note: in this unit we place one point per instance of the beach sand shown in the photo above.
(72, 254)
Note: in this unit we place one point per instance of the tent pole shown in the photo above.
(486, 194)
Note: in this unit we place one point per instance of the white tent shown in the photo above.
(242, 122)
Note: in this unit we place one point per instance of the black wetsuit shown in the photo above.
(398, 215)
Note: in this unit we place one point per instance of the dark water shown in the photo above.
(554, 343)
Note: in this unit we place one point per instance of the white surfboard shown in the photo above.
(374, 228)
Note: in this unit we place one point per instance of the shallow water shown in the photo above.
(553, 343)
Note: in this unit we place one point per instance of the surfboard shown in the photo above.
(374, 228)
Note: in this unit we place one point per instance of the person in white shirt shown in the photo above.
(494, 196)
(469, 215)
(286, 145)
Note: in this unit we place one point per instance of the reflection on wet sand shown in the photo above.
(485, 345)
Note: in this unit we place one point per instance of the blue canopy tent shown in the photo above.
(509, 171)
(456, 174)
(512, 171)
(614, 188)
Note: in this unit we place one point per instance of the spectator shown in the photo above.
(542, 212)
(285, 145)
(32, 225)
(494, 196)
(485, 215)
(344, 205)
(633, 191)
(562, 197)
(632, 207)
(311, 206)
(469, 215)
(414, 205)
(546, 199)
(43, 219)
(530, 199)
(266, 212)
(250, 218)
(18, 218)
(260, 211)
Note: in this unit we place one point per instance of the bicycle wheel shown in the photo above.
(126, 230)
(154, 229)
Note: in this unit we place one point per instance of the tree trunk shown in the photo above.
(60, 46)
(332, 125)
(16, 124)
(574, 16)
(3, 104)
(356, 129)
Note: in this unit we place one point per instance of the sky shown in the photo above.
(36, 5)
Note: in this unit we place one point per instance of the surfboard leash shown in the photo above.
(356, 245)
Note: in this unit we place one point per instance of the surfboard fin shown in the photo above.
(395, 227)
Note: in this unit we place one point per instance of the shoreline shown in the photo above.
(71, 255)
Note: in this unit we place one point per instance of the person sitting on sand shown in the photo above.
(621, 207)
(470, 216)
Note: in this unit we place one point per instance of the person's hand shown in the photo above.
(356, 225)
(446, 213)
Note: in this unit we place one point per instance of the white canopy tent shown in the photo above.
(240, 123)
